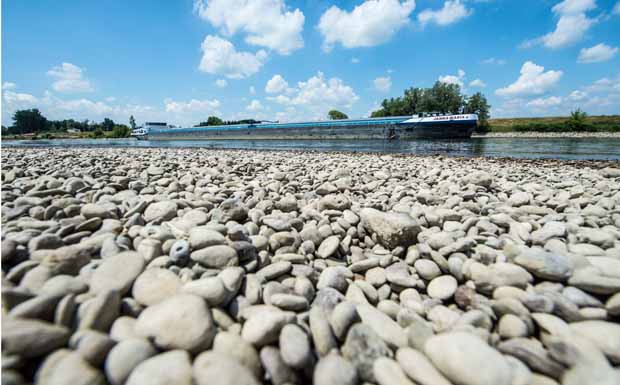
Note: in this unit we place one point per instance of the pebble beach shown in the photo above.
(219, 267)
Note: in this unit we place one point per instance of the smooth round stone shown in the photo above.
(322, 335)
(427, 269)
(179, 252)
(92, 345)
(333, 369)
(511, 326)
(388, 372)
(173, 367)
(456, 353)
(335, 277)
(264, 329)
(343, 316)
(160, 211)
(155, 285)
(328, 247)
(67, 367)
(419, 368)
(61, 285)
(212, 289)
(203, 236)
(236, 347)
(605, 335)
(362, 348)
(32, 338)
(289, 301)
(124, 357)
(218, 257)
(183, 321)
(117, 273)
(276, 370)
(442, 287)
(295, 347)
(212, 368)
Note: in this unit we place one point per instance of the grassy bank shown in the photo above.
(604, 123)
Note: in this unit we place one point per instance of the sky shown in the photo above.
(182, 61)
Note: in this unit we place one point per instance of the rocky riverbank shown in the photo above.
(196, 266)
(534, 134)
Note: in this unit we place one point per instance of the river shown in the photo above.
(549, 148)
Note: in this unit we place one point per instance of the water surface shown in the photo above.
(550, 148)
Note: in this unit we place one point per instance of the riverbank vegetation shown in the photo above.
(578, 122)
(31, 124)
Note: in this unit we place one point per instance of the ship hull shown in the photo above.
(389, 128)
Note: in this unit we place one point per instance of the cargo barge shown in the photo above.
(423, 126)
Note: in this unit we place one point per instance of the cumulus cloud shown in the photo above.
(193, 105)
(8, 86)
(572, 25)
(265, 23)
(221, 83)
(551, 101)
(276, 84)
(383, 83)
(453, 79)
(368, 24)
(255, 105)
(69, 79)
(598, 53)
(451, 12)
(477, 83)
(219, 57)
(310, 99)
(533, 80)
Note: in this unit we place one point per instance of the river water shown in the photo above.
(550, 148)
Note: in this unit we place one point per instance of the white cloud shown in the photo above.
(219, 57)
(311, 99)
(255, 105)
(569, 30)
(533, 80)
(477, 83)
(193, 105)
(616, 10)
(8, 86)
(605, 85)
(572, 25)
(265, 23)
(368, 24)
(598, 53)
(355, 60)
(572, 7)
(221, 83)
(577, 95)
(551, 101)
(69, 79)
(276, 84)
(453, 79)
(494, 61)
(252, 90)
(383, 84)
(451, 12)
(13, 101)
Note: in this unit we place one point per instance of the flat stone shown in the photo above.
(124, 357)
(236, 347)
(392, 229)
(66, 367)
(333, 369)
(32, 338)
(419, 368)
(265, 328)
(155, 285)
(456, 353)
(218, 257)
(442, 287)
(328, 247)
(160, 211)
(295, 347)
(541, 263)
(172, 367)
(183, 321)
(117, 273)
(388, 372)
(362, 348)
(213, 368)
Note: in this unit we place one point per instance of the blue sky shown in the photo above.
(181, 61)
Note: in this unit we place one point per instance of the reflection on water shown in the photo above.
(558, 148)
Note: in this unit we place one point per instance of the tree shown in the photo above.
(577, 120)
(121, 131)
(337, 115)
(211, 121)
(477, 104)
(107, 124)
(27, 121)
(132, 122)
(443, 97)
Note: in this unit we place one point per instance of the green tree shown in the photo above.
(27, 121)
(577, 120)
(477, 104)
(98, 133)
(121, 131)
(211, 121)
(337, 115)
(442, 97)
(132, 122)
(107, 124)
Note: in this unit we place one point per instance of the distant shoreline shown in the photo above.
(535, 134)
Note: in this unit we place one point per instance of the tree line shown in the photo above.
(215, 121)
(31, 121)
(444, 98)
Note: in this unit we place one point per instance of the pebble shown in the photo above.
(124, 357)
(442, 287)
(155, 285)
(171, 367)
(333, 369)
(295, 347)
